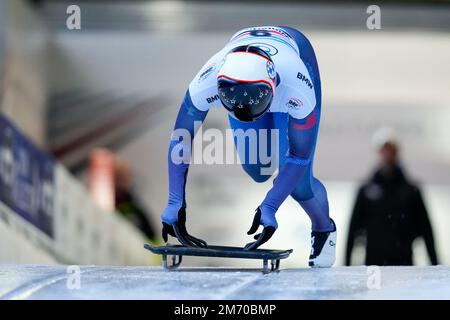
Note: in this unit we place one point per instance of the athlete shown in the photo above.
(266, 78)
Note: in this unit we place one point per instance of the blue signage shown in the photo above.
(27, 178)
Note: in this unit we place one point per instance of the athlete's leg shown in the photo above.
(310, 192)
(312, 196)
(249, 153)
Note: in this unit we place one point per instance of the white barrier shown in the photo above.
(83, 234)
(20, 242)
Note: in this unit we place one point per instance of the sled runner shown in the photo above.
(176, 253)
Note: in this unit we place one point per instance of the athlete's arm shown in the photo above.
(301, 134)
(174, 215)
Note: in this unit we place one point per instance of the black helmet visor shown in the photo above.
(247, 101)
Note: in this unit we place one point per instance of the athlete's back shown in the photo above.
(294, 88)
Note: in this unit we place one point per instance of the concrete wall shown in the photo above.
(26, 45)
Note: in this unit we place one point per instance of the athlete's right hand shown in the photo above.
(174, 224)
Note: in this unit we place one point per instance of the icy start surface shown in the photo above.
(54, 282)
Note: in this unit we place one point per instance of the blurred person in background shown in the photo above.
(389, 212)
(126, 203)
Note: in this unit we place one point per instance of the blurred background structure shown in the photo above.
(117, 83)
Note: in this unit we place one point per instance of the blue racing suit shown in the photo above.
(295, 112)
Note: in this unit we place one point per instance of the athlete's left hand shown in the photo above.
(268, 221)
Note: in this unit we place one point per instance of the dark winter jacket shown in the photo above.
(390, 214)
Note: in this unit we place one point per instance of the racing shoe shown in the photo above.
(323, 248)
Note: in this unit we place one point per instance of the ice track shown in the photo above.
(51, 282)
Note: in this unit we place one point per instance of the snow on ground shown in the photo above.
(51, 282)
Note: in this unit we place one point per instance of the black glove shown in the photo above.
(265, 235)
(178, 230)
